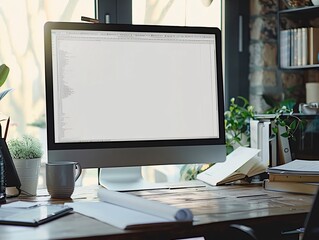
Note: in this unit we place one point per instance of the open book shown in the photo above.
(241, 163)
(127, 211)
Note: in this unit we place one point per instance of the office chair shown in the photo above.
(311, 231)
(240, 232)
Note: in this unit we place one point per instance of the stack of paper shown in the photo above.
(298, 176)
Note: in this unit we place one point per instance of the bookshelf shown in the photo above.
(298, 37)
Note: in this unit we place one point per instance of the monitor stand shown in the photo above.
(131, 179)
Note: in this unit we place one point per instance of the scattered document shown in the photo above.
(20, 204)
(242, 162)
(297, 176)
(298, 167)
(126, 211)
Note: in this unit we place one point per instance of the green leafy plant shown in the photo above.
(237, 127)
(284, 117)
(26, 147)
(237, 119)
(4, 72)
(39, 122)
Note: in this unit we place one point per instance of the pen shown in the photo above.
(88, 19)
(7, 129)
(299, 230)
(253, 195)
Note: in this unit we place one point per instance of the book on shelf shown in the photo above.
(313, 43)
(295, 49)
(304, 46)
(285, 48)
(243, 162)
(292, 47)
(292, 187)
(299, 46)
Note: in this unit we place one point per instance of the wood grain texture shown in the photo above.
(215, 208)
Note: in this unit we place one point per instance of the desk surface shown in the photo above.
(214, 207)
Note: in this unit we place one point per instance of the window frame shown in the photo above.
(236, 16)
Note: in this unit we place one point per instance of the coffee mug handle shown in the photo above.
(78, 170)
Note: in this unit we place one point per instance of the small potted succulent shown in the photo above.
(26, 153)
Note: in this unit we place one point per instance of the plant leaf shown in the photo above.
(289, 103)
(293, 124)
(2, 94)
(4, 71)
(285, 135)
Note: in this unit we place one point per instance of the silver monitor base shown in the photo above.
(131, 179)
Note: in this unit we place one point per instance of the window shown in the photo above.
(183, 13)
(21, 48)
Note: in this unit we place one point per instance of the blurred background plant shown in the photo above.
(284, 115)
(4, 72)
(237, 126)
(237, 123)
(39, 122)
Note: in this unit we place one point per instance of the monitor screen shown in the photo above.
(133, 95)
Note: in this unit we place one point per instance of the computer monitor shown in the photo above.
(133, 95)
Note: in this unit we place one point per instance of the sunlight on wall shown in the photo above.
(177, 12)
(21, 48)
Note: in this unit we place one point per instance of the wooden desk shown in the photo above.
(214, 207)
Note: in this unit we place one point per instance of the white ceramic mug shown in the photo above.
(61, 177)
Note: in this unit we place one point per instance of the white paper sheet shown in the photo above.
(126, 211)
(114, 215)
(298, 166)
(147, 206)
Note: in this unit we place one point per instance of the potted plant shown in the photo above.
(26, 153)
(237, 122)
(237, 128)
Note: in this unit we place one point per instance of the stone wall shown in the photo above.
(263, 52)
(264, 75)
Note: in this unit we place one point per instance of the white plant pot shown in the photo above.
(28, 172)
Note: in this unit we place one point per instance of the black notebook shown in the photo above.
(32, 216)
